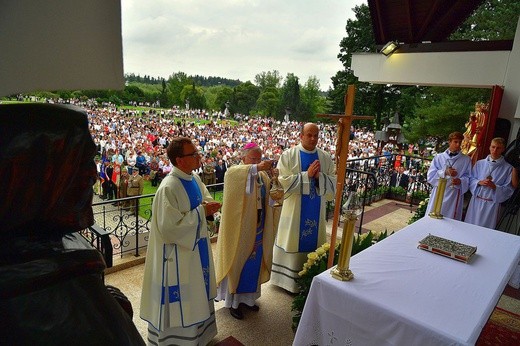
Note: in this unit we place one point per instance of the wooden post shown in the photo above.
(343, 137)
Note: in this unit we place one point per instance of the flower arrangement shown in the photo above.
(317, 263)
(214, 225)
(217, 216)
(421, 210)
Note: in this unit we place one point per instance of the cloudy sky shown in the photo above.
(235, 39)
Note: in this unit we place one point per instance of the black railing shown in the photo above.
(369, 178)
(121, 226)
(384, 166)
(119, 230)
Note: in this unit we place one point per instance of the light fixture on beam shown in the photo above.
(389, 48)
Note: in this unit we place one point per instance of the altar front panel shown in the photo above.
(404, 295)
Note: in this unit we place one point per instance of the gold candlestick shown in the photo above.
(439, 197)
(342, 271)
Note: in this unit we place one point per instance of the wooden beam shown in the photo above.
(344, 123)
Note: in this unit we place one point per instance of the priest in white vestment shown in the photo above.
(307, 175)
(247, 230)
(455, 166)
(490, 185)
(179, 278)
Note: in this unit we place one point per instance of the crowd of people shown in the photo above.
(139, 140)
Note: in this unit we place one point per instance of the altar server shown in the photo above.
(455, 166)
(490, 185)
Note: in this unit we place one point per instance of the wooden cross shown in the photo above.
(344, 123)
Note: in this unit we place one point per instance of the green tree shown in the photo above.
(493, 20)
(164, 97)
(441, 111)
(270, 79)
(370, 99)
(244, 98)
(268, 103)
(176, 84)
(210, 95)
(290, 97)
(360, 36)
(312, 102)
(224, 94)
(195, 95)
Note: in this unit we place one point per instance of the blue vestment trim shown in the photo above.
(174, 294)
(204, 261)
(310, 209)
(193, 191)
(195, 197)
(251, 271)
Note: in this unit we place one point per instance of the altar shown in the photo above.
(402, 295)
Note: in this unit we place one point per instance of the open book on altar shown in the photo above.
(449, 248)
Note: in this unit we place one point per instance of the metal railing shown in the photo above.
(119, 231)
(370, 179)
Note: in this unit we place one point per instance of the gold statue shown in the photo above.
(475, 130)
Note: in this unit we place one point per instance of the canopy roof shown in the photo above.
(425, 25)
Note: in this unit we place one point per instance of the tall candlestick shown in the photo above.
(342, 271)
(439, 197)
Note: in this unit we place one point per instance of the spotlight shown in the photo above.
(389, 48)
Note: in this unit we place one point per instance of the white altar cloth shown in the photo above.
(401, 295)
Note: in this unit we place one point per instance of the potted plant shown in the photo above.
(381, 192)
(418, 196)
(398, 193)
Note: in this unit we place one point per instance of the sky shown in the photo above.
(235, 39)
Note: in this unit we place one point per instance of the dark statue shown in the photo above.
(51, 284)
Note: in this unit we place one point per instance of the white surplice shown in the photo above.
(485, 202)
(454, 194)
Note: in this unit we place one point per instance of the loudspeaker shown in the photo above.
(502, 129)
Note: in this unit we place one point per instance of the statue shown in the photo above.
(475, 130)
(226, 111)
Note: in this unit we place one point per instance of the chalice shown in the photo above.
(452, 173)
(276, 191)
